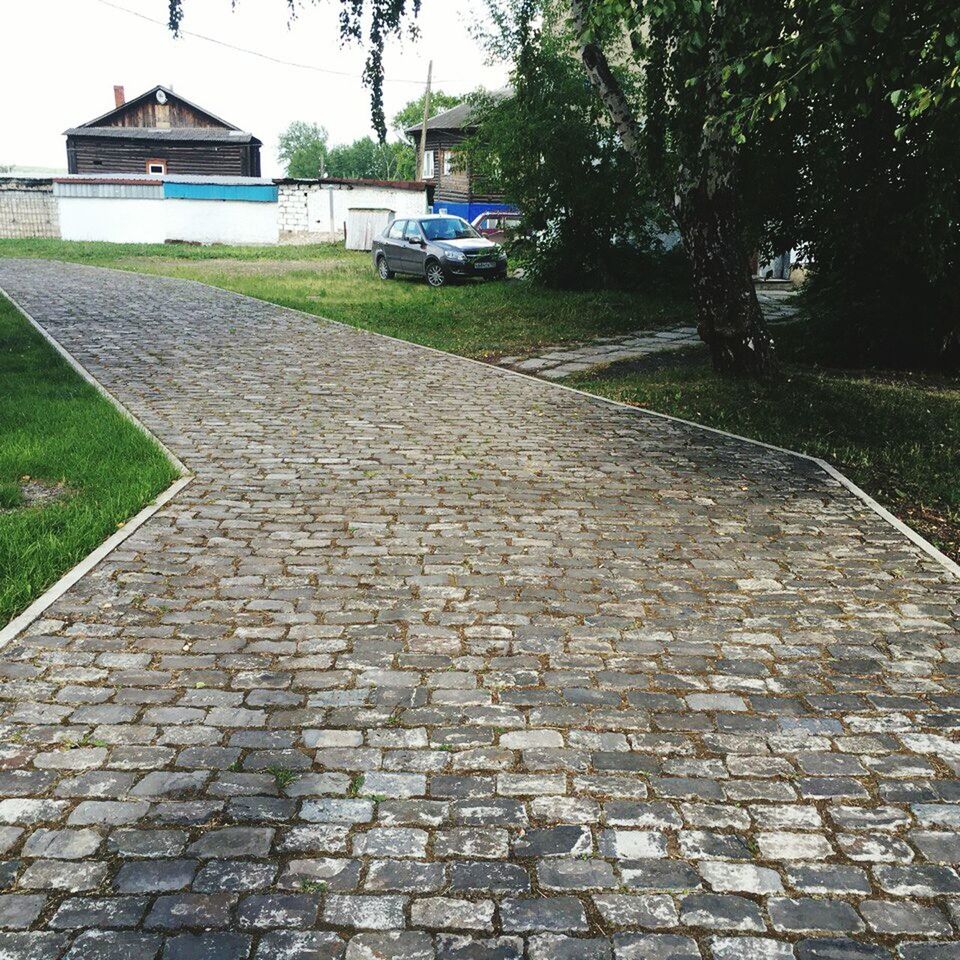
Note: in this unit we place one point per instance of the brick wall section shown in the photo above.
(293, 222)
(27, 208)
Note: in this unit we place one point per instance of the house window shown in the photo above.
(156, 166)
(429, 165)
(450, 162)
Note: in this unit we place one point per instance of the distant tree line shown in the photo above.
(304, 147)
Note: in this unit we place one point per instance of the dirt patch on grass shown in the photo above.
(28, 492)
(241, 268)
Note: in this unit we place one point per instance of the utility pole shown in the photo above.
(423, 129)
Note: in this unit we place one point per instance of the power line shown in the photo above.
(257, 53)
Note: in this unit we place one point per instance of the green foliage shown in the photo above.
(547, 147)
(368, 159)
(864, 98)
(305, 151)
(302, 148)
(906, 53)
(841, 119)
(879, 220)
(412, 114)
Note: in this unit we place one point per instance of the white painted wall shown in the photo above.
(134, 220)
(220, 221)
(113, 219)
(327, 208)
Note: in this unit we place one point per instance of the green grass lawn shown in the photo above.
(897, 437)
(475, 319)
(72, 468)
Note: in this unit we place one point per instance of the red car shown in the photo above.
(497, 225)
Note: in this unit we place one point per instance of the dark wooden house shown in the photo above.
(161, 132)
(447, 169)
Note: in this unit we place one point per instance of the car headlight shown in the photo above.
(502, 255)
(456, 256)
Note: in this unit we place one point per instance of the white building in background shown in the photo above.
(156, 208)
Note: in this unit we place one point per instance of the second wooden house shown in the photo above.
(446, 167)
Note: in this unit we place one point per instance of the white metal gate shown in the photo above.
(363, 224)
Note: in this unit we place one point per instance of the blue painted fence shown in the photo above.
(254, 192)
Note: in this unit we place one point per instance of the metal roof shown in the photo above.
(458, 117)
(182, 134)
(357, 182)
(160, 178)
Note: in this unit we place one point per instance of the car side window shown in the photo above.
(396, 229)
(412, 231)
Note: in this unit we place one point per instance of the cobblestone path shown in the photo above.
(437, 663)
(562, 361)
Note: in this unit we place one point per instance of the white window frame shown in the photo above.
(162, 164)
(429, 164)
(448, 156)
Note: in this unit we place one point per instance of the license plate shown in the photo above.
(484, 265)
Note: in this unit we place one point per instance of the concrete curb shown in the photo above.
(78, 571)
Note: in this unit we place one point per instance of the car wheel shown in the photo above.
(436, 275)
(383, 271)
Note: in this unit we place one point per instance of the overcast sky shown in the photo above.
(61, 59)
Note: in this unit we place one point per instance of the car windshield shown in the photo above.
(448, 228)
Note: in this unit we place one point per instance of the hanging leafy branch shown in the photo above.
(909, 53)
(383, 19)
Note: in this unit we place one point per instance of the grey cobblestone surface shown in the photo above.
(564, 361)
(433, 662)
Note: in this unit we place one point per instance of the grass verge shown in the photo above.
(475, 319)
(72, 468)
(897, 437)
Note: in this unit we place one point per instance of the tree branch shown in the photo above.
(605, 83)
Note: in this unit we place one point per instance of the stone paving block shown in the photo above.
(32, 946)
(393, 945)
(64, 875)
(228, 842)
(646, 911)
(839, 948)
(550, 946)
(806, 915)
(654, 946)
(278, 910)
(18, 911)
(185, 910)
(115, 945)
(208, 946)
(720, 912)
(384, 912)
(449, 913)
(561, 914)
(297, 945)
(85, 913)
(750, 948)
